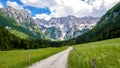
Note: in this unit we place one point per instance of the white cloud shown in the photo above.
(38, 3)
(1, 5)
(97, 4)
(109, 3)
(42, 16)
(79, 8)
(14, 5)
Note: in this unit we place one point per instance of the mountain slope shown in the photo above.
(21, 16)
(6, 38)
(108, 27)
(12, 25)
(24, 28)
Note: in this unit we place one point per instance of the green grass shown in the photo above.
(106, 53)
(19, 34)
(18, 58)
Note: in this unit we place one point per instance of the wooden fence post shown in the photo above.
(93, 63)
(29, 58)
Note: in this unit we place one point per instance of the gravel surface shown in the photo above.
(59, 60)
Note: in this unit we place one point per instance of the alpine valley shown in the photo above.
(24, 26)
(71, 39)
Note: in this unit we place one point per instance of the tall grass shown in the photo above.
(18, 58)
(106, 53)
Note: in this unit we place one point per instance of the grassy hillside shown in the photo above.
(19, 34)
(106, 53)
(18, 58)
(13, 25)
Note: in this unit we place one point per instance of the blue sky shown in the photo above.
(46, 9)
(38, 10)
(34, 10)
(4, 2)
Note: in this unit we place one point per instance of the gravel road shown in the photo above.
(59, 60)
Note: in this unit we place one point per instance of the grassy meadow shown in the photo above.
(106, 53)
(19, 58)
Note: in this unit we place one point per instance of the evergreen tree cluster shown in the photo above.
(9, 41)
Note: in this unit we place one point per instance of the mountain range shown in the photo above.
(62, 28)
(65, 28)
(14, 35)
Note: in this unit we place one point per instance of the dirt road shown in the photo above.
(59, 60)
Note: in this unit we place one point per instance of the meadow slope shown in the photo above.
(106, 53)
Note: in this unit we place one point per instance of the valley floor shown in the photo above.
(19, 58)
(106, 54)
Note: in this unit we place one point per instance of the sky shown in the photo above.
(46, 9)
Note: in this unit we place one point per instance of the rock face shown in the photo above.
(23, 22)
(65, 28)
(22, 16)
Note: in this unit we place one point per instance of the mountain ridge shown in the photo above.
(70, 26)
(61, 28)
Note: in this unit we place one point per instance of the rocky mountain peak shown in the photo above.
(20, 15)
(71, 17)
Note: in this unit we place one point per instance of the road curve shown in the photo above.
(59, 60)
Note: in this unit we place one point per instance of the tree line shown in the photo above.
(9, 41)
